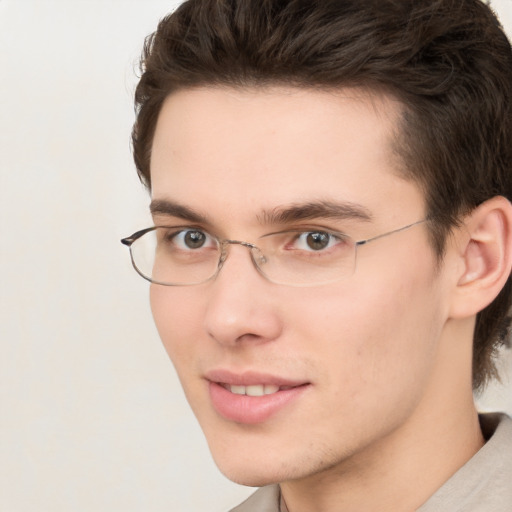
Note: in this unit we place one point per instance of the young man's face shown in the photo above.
(355, 360)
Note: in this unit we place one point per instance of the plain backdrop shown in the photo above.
(92, 417)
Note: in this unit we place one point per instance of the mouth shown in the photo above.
(252, 398)
(255, 389)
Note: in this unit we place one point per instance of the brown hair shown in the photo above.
(447, 61)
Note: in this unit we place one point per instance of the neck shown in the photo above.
(400, 472)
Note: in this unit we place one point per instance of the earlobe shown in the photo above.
(486, 255)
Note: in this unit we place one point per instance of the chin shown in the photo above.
(250, 480)
(249, 475)
(244, 468)
(257, 468)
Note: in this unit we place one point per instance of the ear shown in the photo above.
(484, 252)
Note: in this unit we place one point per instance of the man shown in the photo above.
(330, 186)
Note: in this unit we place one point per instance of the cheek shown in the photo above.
(177, 323)
(376, 338)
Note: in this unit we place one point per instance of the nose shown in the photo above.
(241, 306)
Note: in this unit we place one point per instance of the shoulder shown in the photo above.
(265, 499)
(485, 481)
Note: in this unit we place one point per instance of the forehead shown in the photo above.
(252, 149)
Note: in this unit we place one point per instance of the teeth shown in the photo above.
(255, 390)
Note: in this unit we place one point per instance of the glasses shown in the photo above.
(186, 255)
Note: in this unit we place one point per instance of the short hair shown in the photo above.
(448, 63)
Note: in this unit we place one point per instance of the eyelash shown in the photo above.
(178, 232)
(176, 236)
(302, 236)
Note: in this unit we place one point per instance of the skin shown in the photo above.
(388, 413)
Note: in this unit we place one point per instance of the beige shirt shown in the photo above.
(483, 484)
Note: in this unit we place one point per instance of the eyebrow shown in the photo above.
(280, 215)
(315, 210)
(173, 209)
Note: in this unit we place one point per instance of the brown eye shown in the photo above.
(314, 241)
(318, 241)
(194, 239)
(191, 240)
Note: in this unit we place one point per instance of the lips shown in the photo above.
(251, 398)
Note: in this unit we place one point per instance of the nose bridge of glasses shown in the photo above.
(254, 250)
(225, 243)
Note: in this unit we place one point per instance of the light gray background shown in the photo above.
(92, 417)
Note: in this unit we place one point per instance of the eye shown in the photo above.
(315, 241)
(193, 239)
